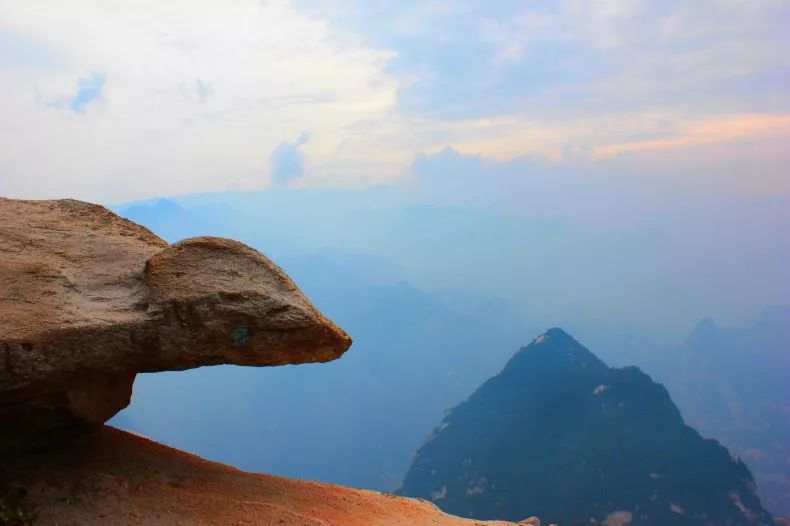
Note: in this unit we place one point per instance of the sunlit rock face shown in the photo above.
(561, 435)
(88, 299)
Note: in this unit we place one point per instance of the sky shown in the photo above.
(596, 161)
(114, 101)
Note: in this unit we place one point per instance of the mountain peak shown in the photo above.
(705, 326)
(554, 349)
(555, 334)
(706, 333)
(560, 435)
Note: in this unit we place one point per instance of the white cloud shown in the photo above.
(196, 96)
(287, 160)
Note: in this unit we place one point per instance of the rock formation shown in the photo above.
(88, 299)
(113, 477)
(560, 434)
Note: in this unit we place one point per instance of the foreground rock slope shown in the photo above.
(89, 299)
(113, 477)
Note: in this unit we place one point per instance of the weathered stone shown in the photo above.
(89, 299)
(113, 477)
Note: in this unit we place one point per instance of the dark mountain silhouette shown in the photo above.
(561, 435)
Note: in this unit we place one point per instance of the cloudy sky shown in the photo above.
(120, 100)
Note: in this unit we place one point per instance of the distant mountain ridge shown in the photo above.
(560, 435)
(731, 384)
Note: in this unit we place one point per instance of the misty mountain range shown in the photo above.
(555, 256)
(732, 384)
(419, 352)
(356, 421)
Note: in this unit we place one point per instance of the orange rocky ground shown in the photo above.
(114, 477)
